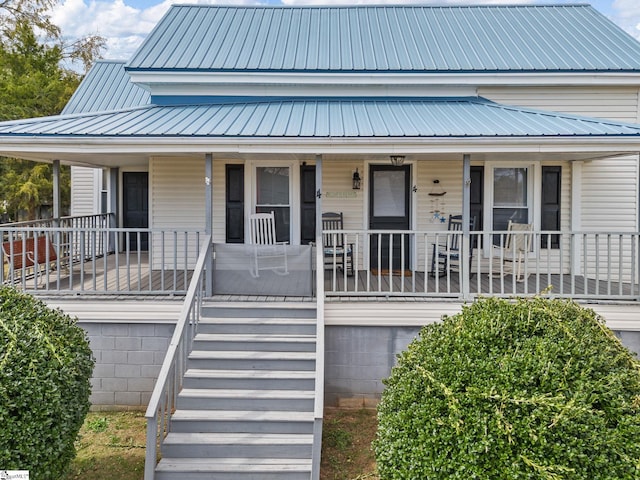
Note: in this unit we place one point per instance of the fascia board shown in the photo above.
(151, 79)
(49, 148)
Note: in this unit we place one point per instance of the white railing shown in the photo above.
(169, 383)
(85, 255)
(579, 265)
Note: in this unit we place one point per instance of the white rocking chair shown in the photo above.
(268, 254)
(512, 254)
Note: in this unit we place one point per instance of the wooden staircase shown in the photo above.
(246, 410)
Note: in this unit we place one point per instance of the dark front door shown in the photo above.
(135, 206)
(389, 210)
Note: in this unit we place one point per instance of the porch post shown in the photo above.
(114, 174)
(465, 267)
(56, 190)
(576, 217)
(208, 209)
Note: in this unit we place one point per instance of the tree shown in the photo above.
(34, 83)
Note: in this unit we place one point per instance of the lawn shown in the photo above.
(111, 446)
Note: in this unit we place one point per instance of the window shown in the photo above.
(272, 195)
(510, 196)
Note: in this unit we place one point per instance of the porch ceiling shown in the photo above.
(420, 128)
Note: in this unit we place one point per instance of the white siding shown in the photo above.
(177, 192)
(616, 103)
(85, 185)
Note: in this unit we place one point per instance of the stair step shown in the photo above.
(233, 468)
(259, 309)
(256, 325)
(199, 398)
(243, 360)
(252, 379)
(241, 421)
(255, 342)
(214, 445)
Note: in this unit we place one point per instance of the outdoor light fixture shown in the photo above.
(356, 180)
(397, 160)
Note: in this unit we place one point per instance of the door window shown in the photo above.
(273, 195)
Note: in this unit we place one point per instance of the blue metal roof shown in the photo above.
(481, 38)
(106, 87)
(347, 118)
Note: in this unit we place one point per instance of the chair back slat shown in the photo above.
(262, 229)
(332, 221)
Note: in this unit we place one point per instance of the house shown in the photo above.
(397, 117)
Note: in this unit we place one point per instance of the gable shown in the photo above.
(419, 39)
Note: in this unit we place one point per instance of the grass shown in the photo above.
(112, 445)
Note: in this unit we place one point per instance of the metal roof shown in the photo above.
(106, 87)
(480, 38)
(330, 118)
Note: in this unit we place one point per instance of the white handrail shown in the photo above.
(169, 380)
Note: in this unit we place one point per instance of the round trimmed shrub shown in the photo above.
(532, 389)
(45, 371)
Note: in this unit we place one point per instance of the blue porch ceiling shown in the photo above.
(330, 118)
(419, 39)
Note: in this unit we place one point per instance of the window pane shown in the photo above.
(283, 219)
(388, 193)
(272, 185)
(510, 187)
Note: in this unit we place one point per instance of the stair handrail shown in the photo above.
(318, 407)
(169, 383)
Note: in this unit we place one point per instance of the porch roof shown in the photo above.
(322, 118)
(312, 126)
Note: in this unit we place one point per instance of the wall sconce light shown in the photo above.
(397, 160)
(356, 180)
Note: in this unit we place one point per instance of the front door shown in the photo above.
(389, 202)
(135, 206)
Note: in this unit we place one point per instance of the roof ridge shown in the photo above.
(381, 6)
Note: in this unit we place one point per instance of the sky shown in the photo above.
(125, 23)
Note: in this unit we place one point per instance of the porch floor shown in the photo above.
(113, 273)
(122, 274)
(417, 286)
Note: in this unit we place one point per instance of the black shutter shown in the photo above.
(476, 197)
(307, 204)
(234, 218)
(551, 178)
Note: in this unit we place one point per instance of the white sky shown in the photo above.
(125, 23)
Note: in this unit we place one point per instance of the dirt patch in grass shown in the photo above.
(111, 446)
(346, 444)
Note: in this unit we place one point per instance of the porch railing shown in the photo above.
(169, 383)
(86, 255)
(577, 264)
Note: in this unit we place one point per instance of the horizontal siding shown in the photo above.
(84, 183)
(614, 103)
(177, 202)
(609, 194)
(219, 196)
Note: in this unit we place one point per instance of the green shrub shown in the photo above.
(536, 389)
(45, 370)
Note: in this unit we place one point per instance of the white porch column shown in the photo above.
(465, 270)
(208, 209)
(576, 216)
(56, 189)
(208, 193)
(319, 394)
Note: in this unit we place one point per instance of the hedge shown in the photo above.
(45, 370)
(526, 389)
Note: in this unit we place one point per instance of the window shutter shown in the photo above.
(307, 204)
(476, 196)
(234, 216)
(550, 215)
